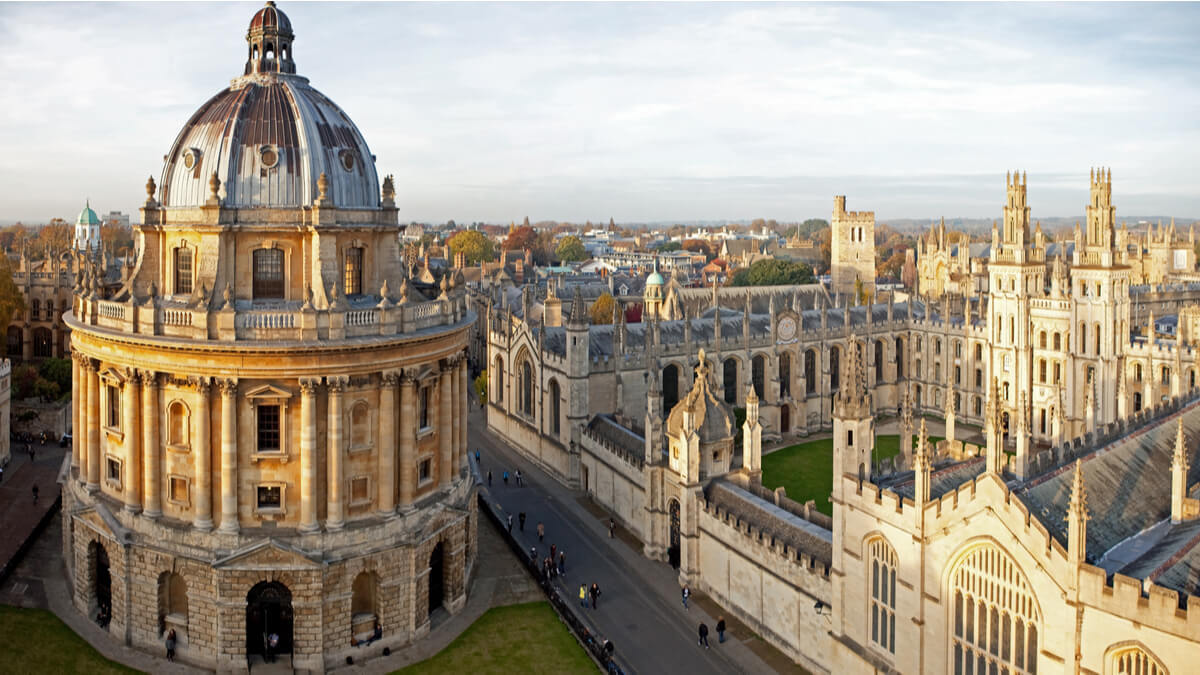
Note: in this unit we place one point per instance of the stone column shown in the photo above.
(229, 456)
(308, 455)
(334, 519)
(133, 451)
(445, 411)
(459, 421)
(151, 466)
(408, 439)
(76, 402)
(203, 452)
(386, 452)
(464, 407)
(93, 425)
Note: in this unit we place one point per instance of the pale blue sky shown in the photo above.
(640, 112)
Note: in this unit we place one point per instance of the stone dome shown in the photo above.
(712, 417)
(269, 136)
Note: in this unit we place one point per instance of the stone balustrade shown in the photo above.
(287, 321)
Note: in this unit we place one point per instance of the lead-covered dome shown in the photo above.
(711, 417)
(269, 137)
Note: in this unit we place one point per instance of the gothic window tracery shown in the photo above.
(882, 614)
(994, 615)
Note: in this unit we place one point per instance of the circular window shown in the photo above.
(347, 157)
(190, 157)
(269, 156)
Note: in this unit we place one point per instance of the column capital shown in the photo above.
(228, 386)
(202, 384)
(407, 377)
(337, 383)
(308, 385)
(149, 378)
(390, 379)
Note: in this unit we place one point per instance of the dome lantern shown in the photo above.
(270, 38)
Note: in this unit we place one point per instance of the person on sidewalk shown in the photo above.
(518, 478)
(703, 635)
(583, 595)
(506, 476)
(562, 562)
(35, 493)
(685, 592)
(595, 594)
(521, 518)
(510, 523)
(553, 552)
(489, 478)
(171, 645)
(612, 524)
(720, 630)
(477, 455)
(541, 531)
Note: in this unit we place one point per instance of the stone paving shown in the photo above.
(639, 608)
(19, 514)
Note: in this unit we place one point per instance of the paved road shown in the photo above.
(639, 608)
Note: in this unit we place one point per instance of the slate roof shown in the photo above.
(943, 480)
(613, 433)
(796, 532)
(1128, 484)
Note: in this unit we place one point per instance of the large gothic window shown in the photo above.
(899, 358)
(995, 615)
(835, 378)
(527, 389)
(883, 594)
(810, 372)
(268, 273)
(785, 375)
(758, 369)
(878, 361)
(498, 380)
(555, 407)
(729, 380)
(1133, 660)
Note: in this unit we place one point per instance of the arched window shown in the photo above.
(268, 273)
(1042, 339)
(364, 604)
(978, 406)
(1134, 660)
(785, 374)
(172, 603)
(1137, 372)
(978, 352)
(15, 341)
(878, 361)
(43, 342)
(882, 612)
(183, 270)
(1166, 376)
(177, 424)
(1082, 337)
(527, 388)
(360, 425)
(958, 349)
(499, 380)
(758, 367)
(555, 408)
(35, 310)
(353, 278)
(835, 375)
(810, 372)
(1096, 330)
(670, 387)
(899, 358)
(1042, 371)
(729, 380)
(978, 378)
(937, 346)
(994, 614)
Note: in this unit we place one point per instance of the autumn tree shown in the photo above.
(892, 267)
(602, 309)
(773, 272)
(56, 235)
(473, 244)
(13, 236)
(12, 301)
(519, 239)
(699, 246)
(116, 237)
(570, 249)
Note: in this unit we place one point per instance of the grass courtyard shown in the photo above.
(526, 638)
(36, 641)
(806, 469)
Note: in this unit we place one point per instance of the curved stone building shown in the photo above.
(265, 411)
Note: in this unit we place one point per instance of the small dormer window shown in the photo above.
(347, 158)
(269, 156)
(191, 157)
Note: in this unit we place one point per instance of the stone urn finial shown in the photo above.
(389, 191)
(150, 189)
(322, 188)
(214, 187)
(227, 296)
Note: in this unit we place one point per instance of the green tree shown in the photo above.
(475, 245)
(772, 272)
(570, 249)
(670, 246)
(602, 309)
(481, 387)
(12, 301)
(811, 226)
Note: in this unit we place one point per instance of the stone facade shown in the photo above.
(852, 250)
(265, 409)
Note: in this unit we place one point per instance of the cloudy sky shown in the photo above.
(641, 112)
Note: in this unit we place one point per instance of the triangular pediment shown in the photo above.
(267, 555)
(268, 391)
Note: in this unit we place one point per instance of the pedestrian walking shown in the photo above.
(703, 635)
(171, 645)
(29, 449)
(583, 595)
(595, 594)
(476, 455)
(685, 593)
(533, 556)
(510, 523)
(541, 532)
(35, 493)
(562, 562)
(273, 645)
(720, 630)
(518, 478)
(553, 551)
(1, 474)
(612, 524)
(489, 478)
(506, 476)
(521, 518)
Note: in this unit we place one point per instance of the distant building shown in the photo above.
(116, 218)
(87, 230)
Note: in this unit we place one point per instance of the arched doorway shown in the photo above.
(437, 577)
(268, 610)
(102, 578)
(673, 547)
(785, 419)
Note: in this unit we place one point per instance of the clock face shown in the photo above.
(787, 328)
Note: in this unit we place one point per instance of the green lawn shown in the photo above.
(36, 641)
(806, 470)
(527, 638)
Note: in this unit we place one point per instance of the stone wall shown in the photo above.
(616, 484)
(54, 417)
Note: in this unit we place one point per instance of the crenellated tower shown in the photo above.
(853, 421)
